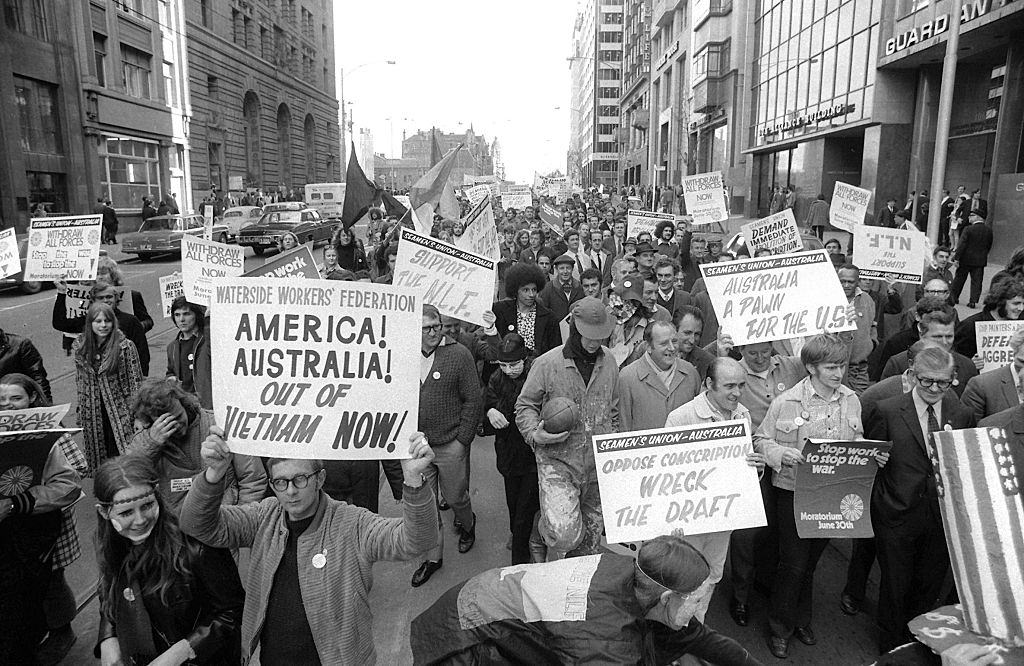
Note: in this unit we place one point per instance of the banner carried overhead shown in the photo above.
(776, 233)
(480, 235)
(458, 283)
(477, 193)
(297, 263)
(994, 342)
(315, 368)
(202, 261)
(774, 298)
(171, 286)
(517, 201)
(849, 206)
(693, 479)
(638, 221)
(894, 254)
(10, 261)
(63, 248)
(704, 194)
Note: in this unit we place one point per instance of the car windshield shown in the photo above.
(233, 213)
(282, 217)
(162, 224)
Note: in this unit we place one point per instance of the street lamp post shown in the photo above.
(341, 94)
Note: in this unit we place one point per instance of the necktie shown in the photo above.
(933, 423)
(597, 261)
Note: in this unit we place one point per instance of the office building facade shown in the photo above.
(634, 104)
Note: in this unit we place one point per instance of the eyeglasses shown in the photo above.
(936, 291)
(433, 328)
(300, 481)
(928, 382)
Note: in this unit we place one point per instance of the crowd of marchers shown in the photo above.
(620, 325)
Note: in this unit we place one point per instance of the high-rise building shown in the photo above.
(499, 162)
(263, 94)
(669, 93)
(95, 104)
(596, 78)
(634, 104)
(366, 159)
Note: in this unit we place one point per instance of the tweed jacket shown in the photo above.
(106, 393)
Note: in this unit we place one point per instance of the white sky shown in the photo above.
(498, 65)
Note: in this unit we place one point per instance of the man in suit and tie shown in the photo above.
(600, 258)
(997, 390)
(562, 291)
(912, 553)
(887, 216)
(616, 245)
(971, 257)
(670, 297)
(936, 325)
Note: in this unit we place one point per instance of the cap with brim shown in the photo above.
(979, 213)
(511, 350)
(564, 259)
(644, 247)
(630, 241)
(592, 319)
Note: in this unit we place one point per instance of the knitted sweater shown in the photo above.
(450, 398)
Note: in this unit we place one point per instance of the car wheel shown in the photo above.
(223, 238)
(258, 250)
(143, 256)
(31, 287)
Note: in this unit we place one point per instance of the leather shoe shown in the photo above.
(848, 604)
(443, 505)
(739, 612)
(972, 305)
(779, 647)
(425, 571)
(467, 537)
(805, 635)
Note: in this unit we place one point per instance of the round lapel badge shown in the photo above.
(798, 421)
(319, 561)
(436, 375)
(128, 594)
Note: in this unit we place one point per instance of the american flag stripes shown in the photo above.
(983, 516)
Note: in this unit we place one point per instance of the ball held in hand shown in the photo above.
(559, 415)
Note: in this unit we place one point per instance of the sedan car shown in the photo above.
(17, 280)
(305, 223)
(162, 235)
(237, 217)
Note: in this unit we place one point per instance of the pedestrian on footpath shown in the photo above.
(584, 372)
(165, 598)
(311, 563)
(38, 539)
(107, 374)
(971, 257)
(513, 456)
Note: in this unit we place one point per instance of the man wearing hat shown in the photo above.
(583, 371)
(630, 612)
(971, 256)
(562, 291)
(645, 256)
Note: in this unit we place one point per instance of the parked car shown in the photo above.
(162, 234)
(17, 280)
(237, 217)
(284, 205)
(305, 223)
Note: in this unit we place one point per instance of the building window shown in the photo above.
(284, 144)
(266, 46)
(204, 13)
(136, 7)
(38, 116)
(237, 35)
(135, 71)
(609, 74)
(131, 170)
(170, 90)
(309, 137)
(251, 130)
(609, 56)
(711, 61)
(99, 54)
(28, 17)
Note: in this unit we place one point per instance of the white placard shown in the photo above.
(638, 221)
(78, 298)
(774, 298)
(694, 479)
(458, 283)
(516, 200)
(477, 193)
(63, 248)
(882, 253)
(704, 194)
(777, 233)
(10, 260)
(849, 206)
(171, 286)
(315, 368)
(994, 342)
(480, 235)
(208, 222)
(202, 261)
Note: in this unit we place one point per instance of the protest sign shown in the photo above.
(297, 263)
(638, 221)
(979, 479)
(78, 298)
(202, 261)
(773, 298)
(316, 369)
(23, 455)
(208, 223)
(849, 206)
(832, 497)
(33, 418)
(882, 253)
(704, 194)
(480, 235)
(994, 342)
(517, 201)
(458, 283)
(477, 193)
(691, 478)
(10, 260)
(171, 286)
(63, 248)
(563, 193)
(777, 233)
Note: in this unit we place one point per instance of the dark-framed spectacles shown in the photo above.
(928, 382)
(300, 481)
(936, 291)
(432, 328)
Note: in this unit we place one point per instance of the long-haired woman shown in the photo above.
(30, 524)
(164, 598)
(350, 256)
(107, 374)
